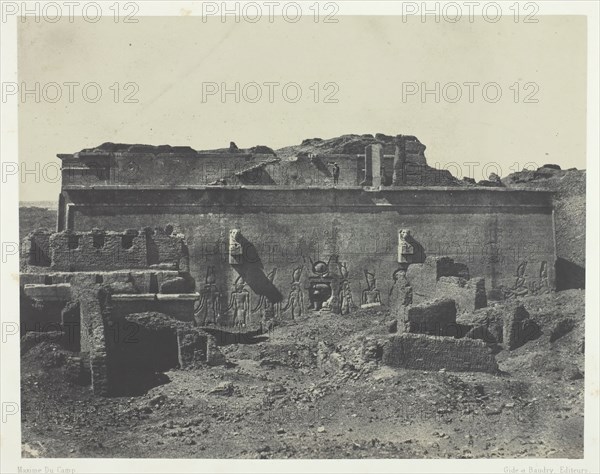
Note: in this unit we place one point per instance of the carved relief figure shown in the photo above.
(240, 303)
(520, 287)
(209, 308)
(524, 286)
(295, 300)
(543, 284)
(343, 270)
(371, 295)
(345, 297)
(401, 293)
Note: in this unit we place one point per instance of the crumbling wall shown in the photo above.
(88, 251)
(141, 345)
(569, 197)
(423, 277)
(125, 164)
(435, 318)
(35, 250)
(52, 293)
(422, 352)
(315, 170)
(165, 249)
(93, 303)
(100, 250)
(180, 307)
(442, 277)
(78, 304)
(469, 295)
(518, 328)
(41, 306)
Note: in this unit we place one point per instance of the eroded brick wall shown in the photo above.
(87, 251)
(103, 251)
(35, 250)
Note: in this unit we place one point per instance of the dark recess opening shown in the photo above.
(140, 356)
(98, 240)
(127, 241)
(37, 256)
(73, 241)
(71, 321)
(569, 275)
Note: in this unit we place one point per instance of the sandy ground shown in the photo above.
(277, 398)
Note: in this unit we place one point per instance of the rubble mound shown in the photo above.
(353, 144)
(317, 387)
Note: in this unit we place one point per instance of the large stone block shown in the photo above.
(48, 293)
(422, 277)
(519, 328)
(423, 352)
(438, 275)
(176, 285)
(469, 295)
(435, 318)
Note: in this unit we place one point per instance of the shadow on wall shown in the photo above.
(252, 271)
(138, 358)
(257, 176)
(321, 166)
(569, 275)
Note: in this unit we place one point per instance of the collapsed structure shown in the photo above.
(184, 246)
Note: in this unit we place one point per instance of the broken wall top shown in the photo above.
(309, 163)
(105, 250)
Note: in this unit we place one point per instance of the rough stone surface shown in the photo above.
(469, 295)
(419, 351)
(193, 347)
(569, 199)
(32, 338)
(35, 249)
(422, 278)
(108, 250)
(435, 318)
(519, 328)
(47, 293)
(175, 286)
(482, 333)
(339, 219)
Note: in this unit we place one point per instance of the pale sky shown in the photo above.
(368, 58)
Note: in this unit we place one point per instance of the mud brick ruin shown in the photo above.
(159, 251)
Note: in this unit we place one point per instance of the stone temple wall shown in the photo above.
(503, 236)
